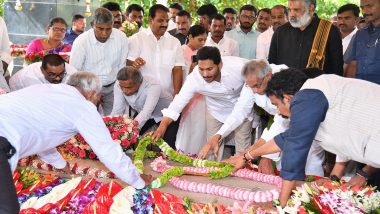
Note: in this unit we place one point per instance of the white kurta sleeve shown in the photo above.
(134, 48)
(124, 53)
(119, 102)
(152, 97)
(94, 131)
(53, 157)
(5, 51)
(241, 110)
(78, 54)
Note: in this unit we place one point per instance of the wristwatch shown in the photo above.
(334, 178)
(363, 174)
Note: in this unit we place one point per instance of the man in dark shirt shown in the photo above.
(183, 22)
(292, 42)
(78, 26)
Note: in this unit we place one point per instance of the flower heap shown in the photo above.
(124, 131)
(63, 51)
(33, 57)
(129, 28)
(18, 50)
(331, 198)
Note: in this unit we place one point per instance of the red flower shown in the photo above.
(82, 153)
(134, 139)
(76, 150)
(135, 123)
(92, 155)
(41, 55)
(31, 56)
(125, 143)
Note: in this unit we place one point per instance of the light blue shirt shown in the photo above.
(247, 42)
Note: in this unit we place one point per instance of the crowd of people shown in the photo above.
(198, 86)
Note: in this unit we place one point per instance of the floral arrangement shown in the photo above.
(123, 130)
(18, 50)
(33, 57)
(62, 50)
(129, 28)
(331, 198)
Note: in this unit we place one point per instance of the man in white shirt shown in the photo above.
(220, 83)
(103, 51)
(157, 53)
(174, 9)
(216, 38)
(5, 54)
(53, 69)
(135, 13)
(348, 18)
(279, 16)
(31, 124)
(143, 95)
(264, 20)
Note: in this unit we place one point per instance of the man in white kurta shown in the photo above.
(33, 74)
(37, 119)
(103, 51)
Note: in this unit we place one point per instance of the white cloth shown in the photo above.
(5, 50)
(103, 59)
(226, 46)
(38, 119)
(171, 25)
(351, 126)
(160, 56)
(220, 96)
(148, 101)
(263, 44)
(346, 40)
(32, 75)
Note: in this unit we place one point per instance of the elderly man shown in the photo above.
(31, 124)
(78, 25)
(226, 46)
(220, 83)
(143, 95)
(53, 69)
(183, 23)
(318, 109)
(103, 51)
(307, 41)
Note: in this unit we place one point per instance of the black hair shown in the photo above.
(76, 17)
(112, 6)
(53, 60)
(229, 10)
(155, 8)
(312, 72)
(211, 53)
(177, 6)
(266, 10)
(288, 81)
(249, 7)
(184, 13)
(282, 7)
(350, 7)
(196, 30)
(130, 73)
(135, 7)
(220, 17)
(56, 20)
(208, 10)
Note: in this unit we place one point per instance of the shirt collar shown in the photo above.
(150, 33)
(239, 30)
(95, 41)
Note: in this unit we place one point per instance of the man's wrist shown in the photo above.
(361, 173)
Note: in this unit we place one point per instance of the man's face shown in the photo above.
(264, 21)
(204, 21)
(183, 24)
(371, 11)
(136, 16)
(79, 25)
(103, 31)
(54, 74)
(160, 23)
(347, 21)
(209, 71)
(254, 82)
(230, 21)
(129, 87)
(247, 19)
(117, 19)
(283, 106)
(299, 16)
(278, 17)
(173, 13)
(217, 28)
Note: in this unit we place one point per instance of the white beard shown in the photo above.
(302, 21)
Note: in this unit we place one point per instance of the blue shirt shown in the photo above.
(70, 36)
(308, 109)
(247, 42)
(366, 51)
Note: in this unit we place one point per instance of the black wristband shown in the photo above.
(334, 178)
(363, 174)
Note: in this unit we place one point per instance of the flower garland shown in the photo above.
(164, 178)
(123, 130)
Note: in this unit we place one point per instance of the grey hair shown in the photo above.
(260, 67)
(85, 81)
(130, 73)
(103, 16)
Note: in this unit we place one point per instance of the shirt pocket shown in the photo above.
(168, 58)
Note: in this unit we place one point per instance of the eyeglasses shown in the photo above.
(374, 44)
(54, 75)
(56, 29)
(247, 17)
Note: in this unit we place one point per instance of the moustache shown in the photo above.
(164, 28)
(183, 29)
(342, 25)
(367, 14)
